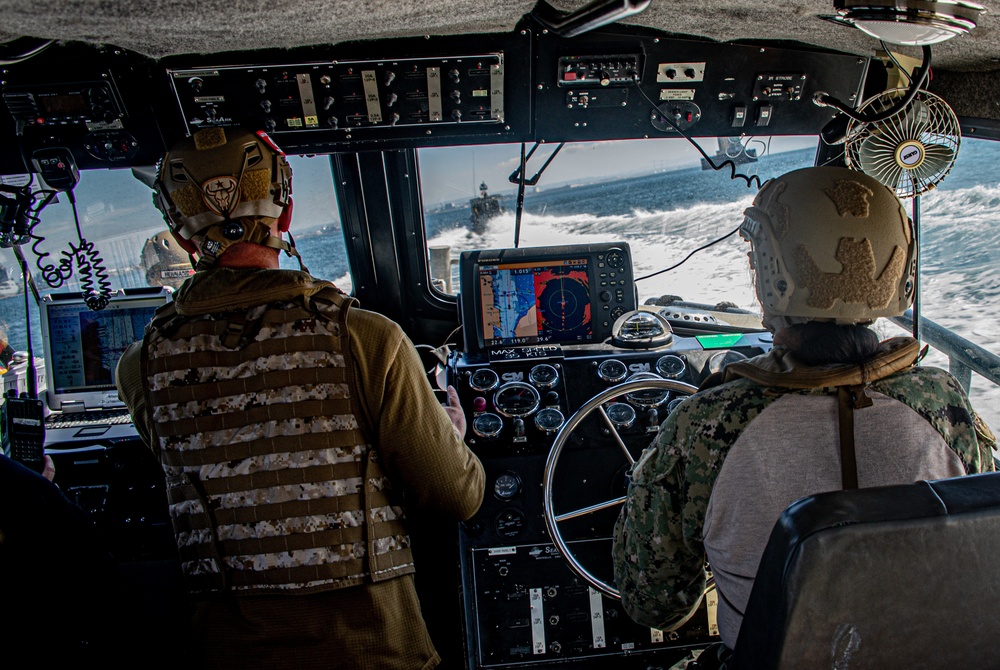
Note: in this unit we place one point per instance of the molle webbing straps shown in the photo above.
(267, 467)
(849, 398)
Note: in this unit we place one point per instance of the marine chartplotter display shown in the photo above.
(550, 295)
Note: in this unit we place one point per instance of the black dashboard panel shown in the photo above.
(113, 108)
(523, 607)
(93, 101)
(605, 87)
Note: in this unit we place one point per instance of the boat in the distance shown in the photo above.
(484, 208)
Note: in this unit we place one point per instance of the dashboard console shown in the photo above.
(532, 358)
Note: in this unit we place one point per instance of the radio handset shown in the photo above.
(57, 167)
(24, 430)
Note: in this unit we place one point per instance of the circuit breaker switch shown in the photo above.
(739, 116)
(764, 115)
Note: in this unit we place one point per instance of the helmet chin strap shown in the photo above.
(219, 237)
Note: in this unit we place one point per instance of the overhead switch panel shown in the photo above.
(344, 95)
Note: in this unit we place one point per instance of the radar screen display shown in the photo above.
(530, 303)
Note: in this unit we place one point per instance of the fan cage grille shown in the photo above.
(871, 147)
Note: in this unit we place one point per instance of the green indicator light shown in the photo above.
(720, 341)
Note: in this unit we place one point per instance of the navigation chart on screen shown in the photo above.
(527, 303)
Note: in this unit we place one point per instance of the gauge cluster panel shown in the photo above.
(523, 606)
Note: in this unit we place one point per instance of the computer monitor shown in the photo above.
(82, 347)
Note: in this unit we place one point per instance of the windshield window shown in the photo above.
(118, 219)
(653, 194)
(959, 265)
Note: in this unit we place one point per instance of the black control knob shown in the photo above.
(605, 296)
(328, 102)
(196, 84)
(457, 115)
(605, 78)
(391, 100)
(261, 85)
(456, 95)
(394, 119)
(454, 75)
(333, 122)
(266, 106)
(390, 77)
(270, 124)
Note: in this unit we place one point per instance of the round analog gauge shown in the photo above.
(622, 415)
(612, 370)
(670, 366)
(506, 486)
(549, 420)
(487, 425)
(672, 405)
(543, 376)
(640, 329)
(722, 359)
(516, 399)
(648, 397)
(484, 380)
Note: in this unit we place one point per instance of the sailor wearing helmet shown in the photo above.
(831, 250)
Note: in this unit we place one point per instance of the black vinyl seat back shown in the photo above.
(889, 577)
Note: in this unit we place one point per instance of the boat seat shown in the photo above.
(889, 577)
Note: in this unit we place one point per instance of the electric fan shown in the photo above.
(912, 150)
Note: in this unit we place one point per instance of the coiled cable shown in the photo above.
(95, 283)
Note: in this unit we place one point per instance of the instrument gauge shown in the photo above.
(487, 425)
(484, 380)
(549, 420)
(670, 366)
(622, 415)
(612, 370)
(672, 405)
(647, 397)
(543, 376)
(516, 399)
(720, 360)
(506, 486)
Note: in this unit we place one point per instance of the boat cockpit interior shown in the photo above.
(543, 195)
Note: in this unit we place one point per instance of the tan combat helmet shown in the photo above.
(829, 243)
(222, 186)
(165, 262)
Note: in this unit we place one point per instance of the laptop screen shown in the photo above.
(82, 347)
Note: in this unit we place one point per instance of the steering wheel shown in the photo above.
(552, 520)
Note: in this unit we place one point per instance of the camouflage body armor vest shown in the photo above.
(270, 483)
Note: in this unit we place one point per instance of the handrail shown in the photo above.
(964, 357)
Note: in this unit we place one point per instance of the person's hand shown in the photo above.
(49, 468)
(455, 412)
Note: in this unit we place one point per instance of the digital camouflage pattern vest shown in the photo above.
(271, 484)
